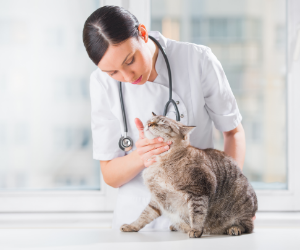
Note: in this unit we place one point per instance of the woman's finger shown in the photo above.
(157, 151)
(145, 142)
(145, 149)
(139, 125)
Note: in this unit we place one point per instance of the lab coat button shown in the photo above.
(177, 102)
(181, 115)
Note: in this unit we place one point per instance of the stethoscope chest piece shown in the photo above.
(125, 143)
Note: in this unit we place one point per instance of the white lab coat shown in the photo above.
(204, 95)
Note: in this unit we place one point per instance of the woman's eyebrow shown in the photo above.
(121, 64)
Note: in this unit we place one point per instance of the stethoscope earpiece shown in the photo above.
(125, 142)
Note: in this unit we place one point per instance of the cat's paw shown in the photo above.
(172, 228)
(234, 231)
(128, 228)
(195, 234)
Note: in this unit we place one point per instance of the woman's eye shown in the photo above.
(127, 64)
(131, 61)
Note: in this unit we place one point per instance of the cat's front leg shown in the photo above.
(150, 213)
(197, 206)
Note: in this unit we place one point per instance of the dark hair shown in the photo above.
(108, 25)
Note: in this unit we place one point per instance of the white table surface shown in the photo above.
(286, 238)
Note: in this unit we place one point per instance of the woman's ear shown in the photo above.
(143, 32)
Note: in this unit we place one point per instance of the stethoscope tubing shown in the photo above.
(123, 109)
(170, 80)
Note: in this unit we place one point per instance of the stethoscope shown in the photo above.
(125, 142)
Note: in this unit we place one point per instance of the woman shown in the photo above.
(119, 46)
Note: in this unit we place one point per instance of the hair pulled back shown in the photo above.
(108, 25)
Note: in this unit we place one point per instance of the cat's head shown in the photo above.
(167, 128)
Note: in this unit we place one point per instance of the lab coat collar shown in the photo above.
(159, 37)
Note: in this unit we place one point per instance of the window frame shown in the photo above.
(288, 200)
(60, 201)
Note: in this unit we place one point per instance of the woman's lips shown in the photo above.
(138, 80)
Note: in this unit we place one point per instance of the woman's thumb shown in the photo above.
(140, 127)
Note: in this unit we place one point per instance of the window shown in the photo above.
(45, 135)
(250, 41)
(45, 140)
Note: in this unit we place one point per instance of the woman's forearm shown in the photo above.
(235, 146)
(122, 169)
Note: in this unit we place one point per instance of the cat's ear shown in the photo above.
(153, 114)
(186, 130)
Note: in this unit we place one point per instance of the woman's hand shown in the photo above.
(148, 148)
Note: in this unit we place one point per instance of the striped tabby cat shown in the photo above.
(201, 191)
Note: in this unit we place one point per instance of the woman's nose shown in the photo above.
(128, 76)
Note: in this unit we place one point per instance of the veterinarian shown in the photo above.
(119, 45)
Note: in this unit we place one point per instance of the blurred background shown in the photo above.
(45, 135)
(248, 38)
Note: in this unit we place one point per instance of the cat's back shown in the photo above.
(231, 182)
(221, 164)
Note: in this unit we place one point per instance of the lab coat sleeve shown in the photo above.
(220, 102)
(106, 130)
